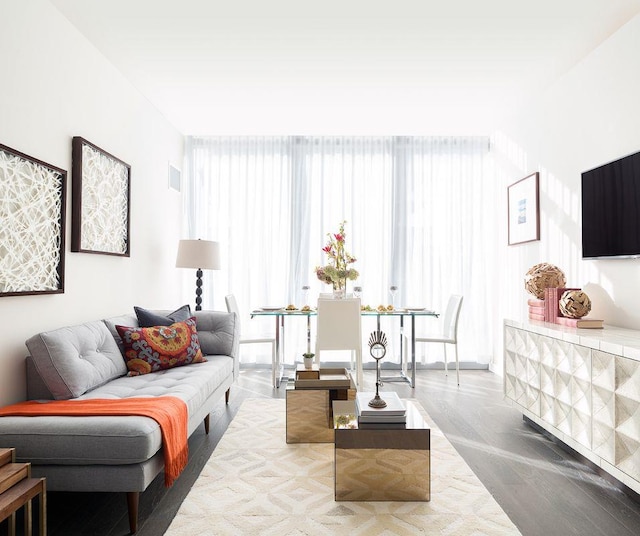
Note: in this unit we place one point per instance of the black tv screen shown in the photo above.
(611, 209)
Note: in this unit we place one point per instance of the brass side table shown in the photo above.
(381, 464)
(309, 400)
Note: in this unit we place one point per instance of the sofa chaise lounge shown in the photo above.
(113, 453)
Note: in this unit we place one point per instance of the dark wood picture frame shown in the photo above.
(101, 201)
(523, 210)
(32, 236)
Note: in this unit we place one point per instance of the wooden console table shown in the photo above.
(17, 489)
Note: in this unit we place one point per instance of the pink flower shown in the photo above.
(336, 272)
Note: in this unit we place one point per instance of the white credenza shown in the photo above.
(582, 386)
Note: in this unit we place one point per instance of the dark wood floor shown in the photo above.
(544, 490)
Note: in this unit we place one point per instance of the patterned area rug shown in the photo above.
(256, 484)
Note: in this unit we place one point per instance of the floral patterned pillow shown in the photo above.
(160, 347)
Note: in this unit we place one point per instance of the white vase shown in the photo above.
(308, 362)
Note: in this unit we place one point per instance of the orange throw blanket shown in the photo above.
(170, 413)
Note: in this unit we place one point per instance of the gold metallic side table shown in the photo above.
(309, 404)
(382, 464)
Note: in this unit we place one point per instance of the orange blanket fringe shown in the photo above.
(168, 411)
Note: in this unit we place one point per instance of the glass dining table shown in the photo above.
(281, 314)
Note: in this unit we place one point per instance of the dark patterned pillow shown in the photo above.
(149, 319)
(160, 347)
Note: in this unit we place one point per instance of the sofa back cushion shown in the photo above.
(73, 360)
(217, 332)
(122, 320)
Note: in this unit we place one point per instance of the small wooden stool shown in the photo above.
(17, 489)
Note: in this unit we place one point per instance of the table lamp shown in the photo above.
(199, 254)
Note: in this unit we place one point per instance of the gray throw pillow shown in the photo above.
(149, 319)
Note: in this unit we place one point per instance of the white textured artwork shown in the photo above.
(31, 225)
(104, 203)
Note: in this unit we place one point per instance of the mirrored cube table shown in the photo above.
(381, 463)
(309, 398)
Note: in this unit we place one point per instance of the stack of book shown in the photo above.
(394, 415)
(536, 309)
(552, 298)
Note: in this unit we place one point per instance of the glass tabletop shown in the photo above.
(363, 312)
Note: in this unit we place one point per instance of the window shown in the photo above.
(415, 210)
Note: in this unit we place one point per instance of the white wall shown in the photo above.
(589, 117)
(55, 85)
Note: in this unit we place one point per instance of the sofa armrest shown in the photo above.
(219, 334)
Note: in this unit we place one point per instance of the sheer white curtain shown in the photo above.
(238, 192)
(349, 179)
(418, 214)
(445, 210)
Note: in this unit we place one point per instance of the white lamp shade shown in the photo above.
(203, 254)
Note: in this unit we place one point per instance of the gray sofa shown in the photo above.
(113, 453)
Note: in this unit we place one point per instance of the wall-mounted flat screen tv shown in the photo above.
(611, 209)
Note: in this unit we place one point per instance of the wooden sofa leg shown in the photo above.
(132, 504)
(206, 424)
(226, 395)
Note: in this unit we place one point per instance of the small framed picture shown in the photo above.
(524, 210)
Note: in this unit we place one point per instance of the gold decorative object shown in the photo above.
(575, 304)
(541, 276)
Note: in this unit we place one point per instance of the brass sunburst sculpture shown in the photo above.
(377, 349)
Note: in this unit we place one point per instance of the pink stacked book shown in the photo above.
(536, 309)
(552, 298)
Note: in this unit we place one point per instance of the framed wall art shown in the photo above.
(32, 234)
(524, 210)
(100, 201)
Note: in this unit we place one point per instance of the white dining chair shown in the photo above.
(449, 333)
(232, 307)
(339, 327)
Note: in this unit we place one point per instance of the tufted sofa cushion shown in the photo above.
(217, 332)
(76, 359)
(122, 320)
(106, 440)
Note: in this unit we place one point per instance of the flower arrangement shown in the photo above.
(337, 271)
